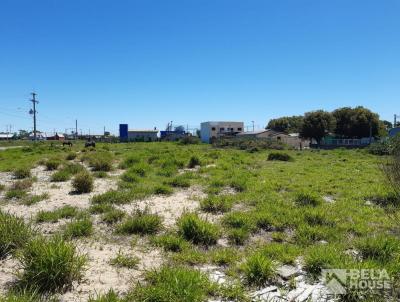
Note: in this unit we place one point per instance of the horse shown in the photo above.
(90, 144)
(67, 144)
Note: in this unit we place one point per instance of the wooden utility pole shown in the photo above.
(33, 111)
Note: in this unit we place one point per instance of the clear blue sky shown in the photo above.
(147, 62)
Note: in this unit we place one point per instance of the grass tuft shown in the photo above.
(196, 230)
(122, 260)
(83, 182)
(140, 222)
(258, 269)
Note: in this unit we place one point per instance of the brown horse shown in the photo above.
(67, 144)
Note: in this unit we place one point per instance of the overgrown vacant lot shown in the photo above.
(169, 222)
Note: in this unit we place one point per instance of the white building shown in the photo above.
(213, 130)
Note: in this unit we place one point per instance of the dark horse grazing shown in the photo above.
(90, 144)
(67, 144)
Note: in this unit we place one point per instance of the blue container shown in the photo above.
(123, 132)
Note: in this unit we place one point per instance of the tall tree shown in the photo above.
(317, 124)
(287, 124)
(356, 122)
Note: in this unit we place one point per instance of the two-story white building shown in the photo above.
(214, 130)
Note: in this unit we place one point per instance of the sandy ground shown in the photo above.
(100, 248)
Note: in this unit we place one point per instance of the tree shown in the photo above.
(317, 124)
(356, 122)
(287, 124)
(388, 125)
(180, 128)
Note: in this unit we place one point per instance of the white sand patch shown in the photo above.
(169, 207)
(60, 194)
(100, 276)
(8, 269)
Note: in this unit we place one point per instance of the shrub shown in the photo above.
(14, 234)
(70, 156)
(122, 260)
(112, 216)
(52, 164)
(170, 243)
(22, 172)
(129, 161)
(50, 264)
(279, 156)
(101, 163)
(140, 222)
(194, 162)
(172, 284)
(112, 197)
(130, 176)
(60, 176)
(83, 182)
(216, 204)
(196, 230)
(79, 228)
(258, 269)
(381, 248)
(73, 168)
(307, 199)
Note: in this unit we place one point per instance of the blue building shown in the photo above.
(394, 131)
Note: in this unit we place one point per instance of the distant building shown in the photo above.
(56, 137)
(172, 135)
(6, 136)
(394, 131)
(214, 130)
(136, 135)
(292, 139)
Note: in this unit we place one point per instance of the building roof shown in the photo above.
(143, 130)
(253, 132)
(6, 135)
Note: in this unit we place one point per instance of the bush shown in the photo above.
(190, 140)
(14, 234)
(22, 172)
(129, 161)
(122, 260)
(140, 222)
(83, 182)
(194, 162)
(307, 199)
(60, 176)
(73, 168)
(50, 264)
(172, 284)
(279, 156)
(258, 269)
(196, 230)
(79, 228)
(101, 161)
(52, 164)
(112, 216)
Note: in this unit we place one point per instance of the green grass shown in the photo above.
(112, 197)
(170, 243)
(50, 265)
(216, 204)
(170, 284)
(197, 231)
(54, 216)
(82, 227)
(126, 261)
(52, 164)
(140, 222)
(112, 216)
(14, 234)
(60, 176)
(22, 172)
(34, 199)
(110, 296)
(279, 156)
(258, 269)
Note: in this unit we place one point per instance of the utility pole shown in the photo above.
(76, 129)
(395, 121)
(33, 111)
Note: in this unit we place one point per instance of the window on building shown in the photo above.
(239, 129)
(213, 128)
(222, 129)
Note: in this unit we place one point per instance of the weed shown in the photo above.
(320, 257)
(216, 204)
(122, 260)
(382, 248)
(180, 181)
(33, 199)
(101, 161)
(170, 243)
(224, 256)
(24, 184)
(140, 222)
(238, 236)
(52, 164)
(70, 156)
(53, 216)
(83, 182)
(100, 208)
(100, 174)
(15, 194)
(14, 234)
(112, 216)
(306, 198)
(194, 162)
(60, 176)
(196, 230)
(162, 190)
(112, 197)
(110, 296)
(50, 264)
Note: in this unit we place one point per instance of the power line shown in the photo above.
(33, 111)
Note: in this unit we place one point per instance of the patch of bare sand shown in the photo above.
(170, 208)
(8, 269)
(100, 276)
(60, 194)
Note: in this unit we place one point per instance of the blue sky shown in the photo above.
(147, 62)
